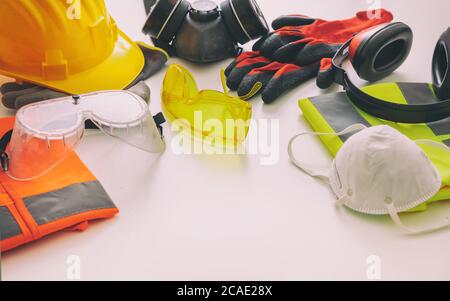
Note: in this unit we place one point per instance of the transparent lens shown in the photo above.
(45, 133)
(142, 134)
(32, 156)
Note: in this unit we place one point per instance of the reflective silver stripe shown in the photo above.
(71, 200)
(8, 225)
(440, 128)
(416, 93)
(338, 112)
(239, 20)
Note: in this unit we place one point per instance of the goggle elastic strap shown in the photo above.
(4, 158)
(159, 120)
(319, 174)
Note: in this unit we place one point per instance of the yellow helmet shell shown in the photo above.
(75, 48)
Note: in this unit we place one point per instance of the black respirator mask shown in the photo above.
(203, 32)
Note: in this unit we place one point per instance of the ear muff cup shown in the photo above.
(244, 19)
(378, 52)
(441, 66)
(166, 18)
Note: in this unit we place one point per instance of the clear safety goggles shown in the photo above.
(46, 132)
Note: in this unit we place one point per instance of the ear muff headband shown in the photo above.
(166, 18)
(387, 110)
(244, 20)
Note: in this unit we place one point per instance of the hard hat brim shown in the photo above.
(115, 73)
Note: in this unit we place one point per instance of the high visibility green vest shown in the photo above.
(334, 112)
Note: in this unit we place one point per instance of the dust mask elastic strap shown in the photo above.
(315, 174)
(396, 219)
(394, 214)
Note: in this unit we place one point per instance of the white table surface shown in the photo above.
(206, 217)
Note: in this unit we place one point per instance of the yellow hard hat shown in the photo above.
(74, 47)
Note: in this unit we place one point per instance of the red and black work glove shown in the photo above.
(251, 74)
(299, 49)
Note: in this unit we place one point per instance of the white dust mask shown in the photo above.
(380, 171)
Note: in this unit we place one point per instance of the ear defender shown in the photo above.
(441, 66)
(165, 19)
(379, 51)
(244, 20)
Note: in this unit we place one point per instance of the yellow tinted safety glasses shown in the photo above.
(208, 113)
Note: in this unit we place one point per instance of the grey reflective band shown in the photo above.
(440, 128)
(8, 225)
(338, 111)
(78, 198)
(416, 93)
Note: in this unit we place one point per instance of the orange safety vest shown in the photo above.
(66, 198)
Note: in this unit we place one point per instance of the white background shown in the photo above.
(230, 218)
